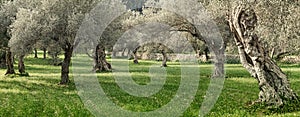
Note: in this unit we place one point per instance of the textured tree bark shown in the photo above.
(165, 59)
(21, 65)
(65, 65)
(9, 63)
(273, 83)
(100, 60)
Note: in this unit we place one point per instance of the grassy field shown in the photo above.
(39, 94)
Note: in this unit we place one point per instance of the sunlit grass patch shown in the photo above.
(40, 95)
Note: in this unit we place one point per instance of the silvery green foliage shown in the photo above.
(278, 22)
(178, 28)
(8, 13)
(279, 25)
(24, 36)
(46, 20)
(60, 20)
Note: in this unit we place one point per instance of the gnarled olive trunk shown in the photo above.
(100, 60)
(135, 57)
(65, 65)
(273, 83)
(9, 63)
(21, 65)
(165, 59)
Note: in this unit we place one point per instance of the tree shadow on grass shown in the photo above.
(39, 97)
(34, 85)
(44, 70)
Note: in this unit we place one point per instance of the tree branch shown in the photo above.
(91, 56)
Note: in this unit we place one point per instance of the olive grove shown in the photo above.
(258, 32)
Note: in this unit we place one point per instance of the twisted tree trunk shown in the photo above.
(165, 59)
(273, 83)
(66, 64)
(21, 65)
(9, 63)
(135, 57)
(100, 59)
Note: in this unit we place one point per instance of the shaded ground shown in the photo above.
(39, 94)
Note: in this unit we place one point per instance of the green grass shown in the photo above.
(40, 95)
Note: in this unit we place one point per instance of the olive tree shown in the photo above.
(57, 20)
(273, 83)
(9, 10)
(21, 33)
(7, 16)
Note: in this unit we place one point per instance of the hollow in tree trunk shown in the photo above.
(9, 63)
(21, 65)
(65, 65)
(100, 59)
(165, 59)
(274, 86)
